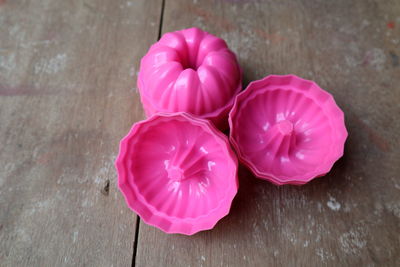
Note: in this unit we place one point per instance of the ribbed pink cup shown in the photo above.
(286, 129)
(190, 71)
(177, 172)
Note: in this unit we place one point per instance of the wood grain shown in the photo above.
(67, 96)
(351, 216)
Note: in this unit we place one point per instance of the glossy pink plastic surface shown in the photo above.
(190, 71)
(287, 130)
(177, 172)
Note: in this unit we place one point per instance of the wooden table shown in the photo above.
(68, 95)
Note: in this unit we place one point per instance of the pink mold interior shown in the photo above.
(190, 71)
(178, 162)
(287, 129)
(182, 174)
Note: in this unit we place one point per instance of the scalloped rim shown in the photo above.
(335, 116)
(217, 116)
(147, 212)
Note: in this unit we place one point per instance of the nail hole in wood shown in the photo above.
(106, 188)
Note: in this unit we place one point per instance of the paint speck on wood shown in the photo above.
(375, 58)
(390, 25)
(353, 241)
(52, 65)
(333, 204)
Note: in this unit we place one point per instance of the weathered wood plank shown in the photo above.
(351, 216)
(67, 96)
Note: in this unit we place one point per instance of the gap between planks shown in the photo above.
(136, 239)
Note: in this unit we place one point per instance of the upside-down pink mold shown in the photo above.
(286, 129)
(190, 71)
(177, 172)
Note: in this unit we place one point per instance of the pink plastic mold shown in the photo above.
(190, 71)
(287, 130)
(177, 172)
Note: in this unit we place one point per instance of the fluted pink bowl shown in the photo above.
(177, 172)
(190, 71)
(287, 130)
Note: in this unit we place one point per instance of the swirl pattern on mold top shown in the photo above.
(190, 71)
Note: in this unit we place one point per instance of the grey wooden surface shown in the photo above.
(67, 95)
